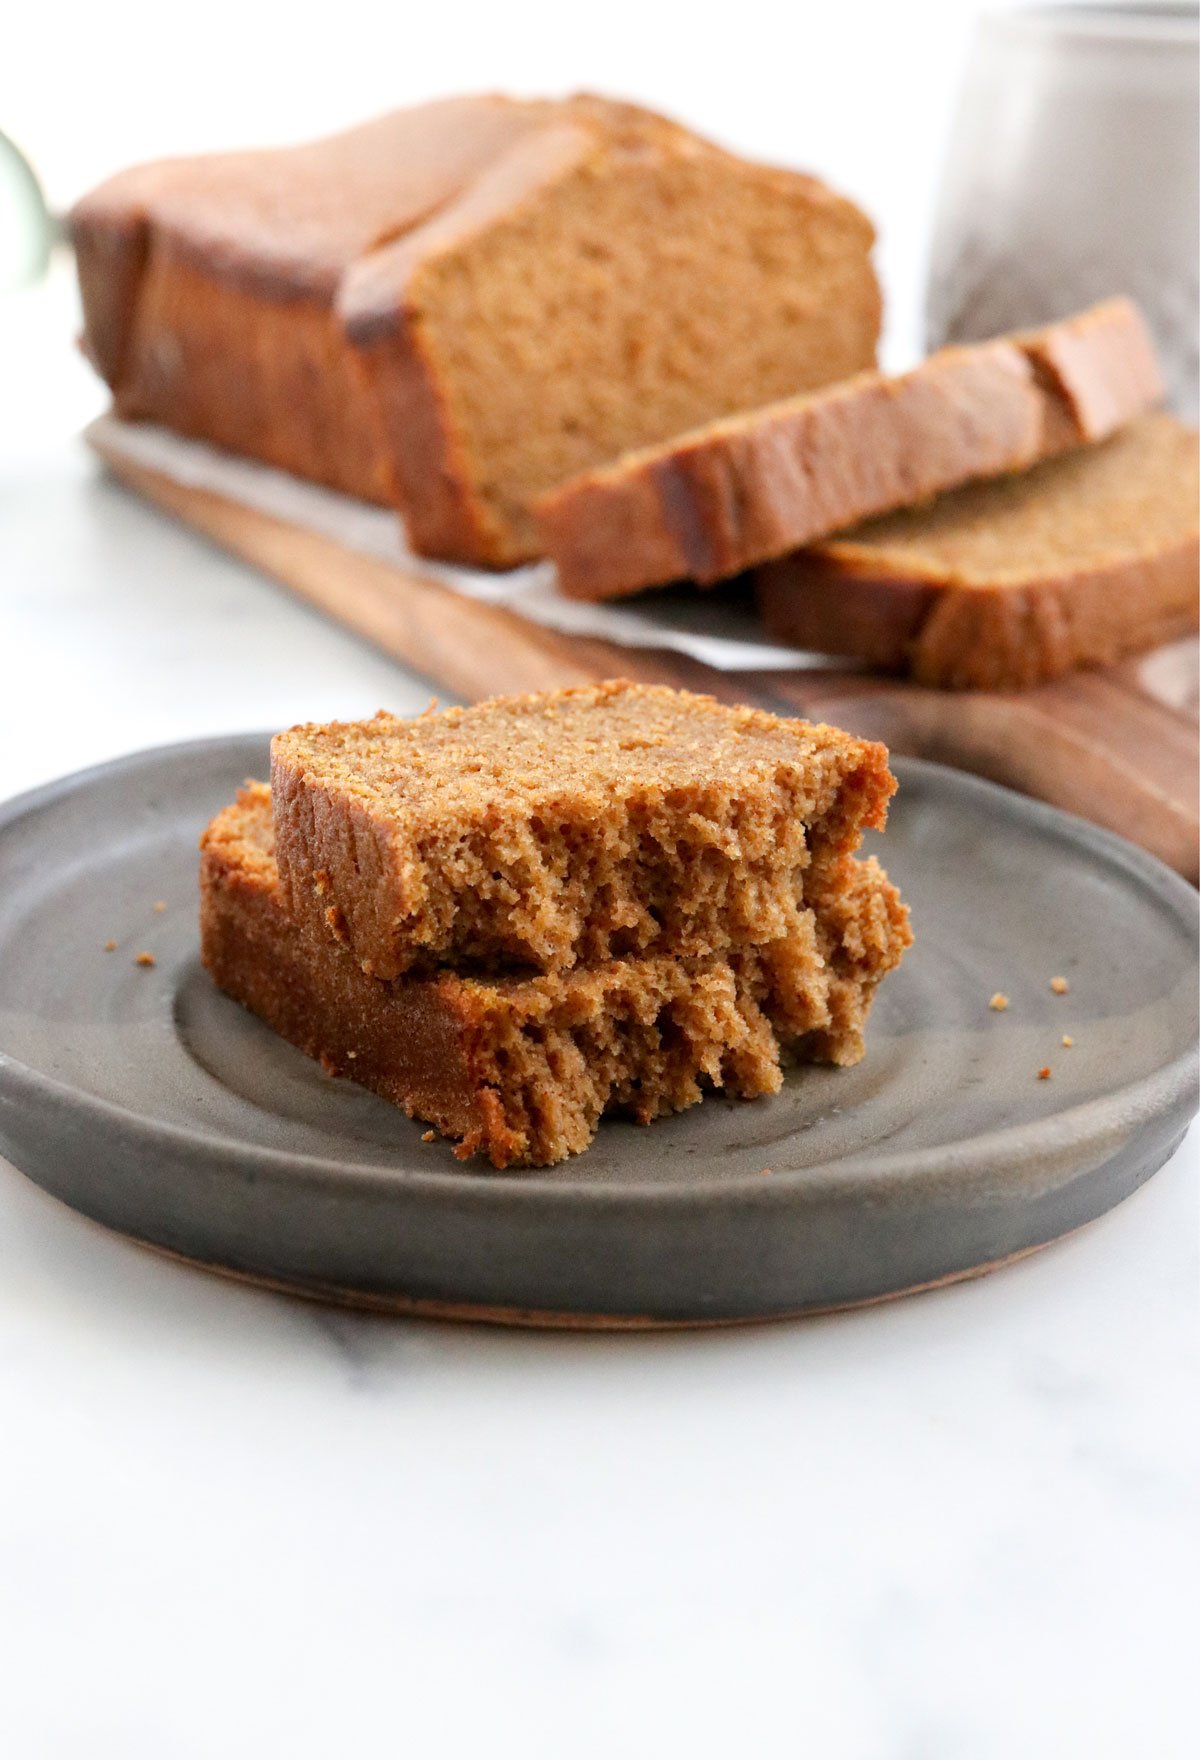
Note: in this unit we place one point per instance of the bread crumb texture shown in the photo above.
(1134, 494)
(759, 485)
(568, 828)
(518, 1067)
(1075, 563)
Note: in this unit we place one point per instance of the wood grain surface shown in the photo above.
(1118, 746)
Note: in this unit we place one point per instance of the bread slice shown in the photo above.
(1078, 562)
(458, 306)
(521, 1069)
(567, 828)
(744, 490)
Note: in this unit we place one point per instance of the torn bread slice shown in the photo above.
(566, 827)
(742, 491)
(520, 1069)
(1076, 563)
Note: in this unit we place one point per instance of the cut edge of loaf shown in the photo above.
(959, 638)
(432, 479)
(952, 627)
(741, 491)
(456, 484)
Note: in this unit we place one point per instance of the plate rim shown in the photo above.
(1086, 1126)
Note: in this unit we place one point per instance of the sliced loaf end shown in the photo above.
(1078, 562)
(741, 491)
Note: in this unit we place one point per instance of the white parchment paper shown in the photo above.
(718, 629)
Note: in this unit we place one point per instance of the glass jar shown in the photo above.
(26, 231)
(1072, 174)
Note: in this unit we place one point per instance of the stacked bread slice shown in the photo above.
(1037, 518)
(514, 918)
(735, 493)
(1077, 562)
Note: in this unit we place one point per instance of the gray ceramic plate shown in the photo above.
(147, 1100)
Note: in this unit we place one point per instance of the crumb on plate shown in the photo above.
(144, 959)
(1059, 986)
(1067, 1040)
(999, 1002)
(1044, 1073)
(111, 946)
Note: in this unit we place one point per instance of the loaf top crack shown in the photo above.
(565, 828)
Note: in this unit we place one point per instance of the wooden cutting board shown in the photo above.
(1119, 747)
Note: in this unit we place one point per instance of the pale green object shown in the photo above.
(26, 229)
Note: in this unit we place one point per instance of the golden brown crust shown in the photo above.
(209, 362)
(751, 488)
(1086, 560)
(1099, 369)
(959, 638)
(522, 1069)
(287, 222)
(208, 284)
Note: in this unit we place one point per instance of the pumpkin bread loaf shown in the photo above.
(210, 285)
(521, 1068)
(458, 306)
(1079, 562)
(567, 828)
(751, 487)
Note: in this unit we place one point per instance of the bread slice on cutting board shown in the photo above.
(743, 490)
(1080, 561)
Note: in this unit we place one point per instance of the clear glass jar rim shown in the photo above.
(1123, 20)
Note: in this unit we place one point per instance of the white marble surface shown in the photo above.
(231, 1525)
